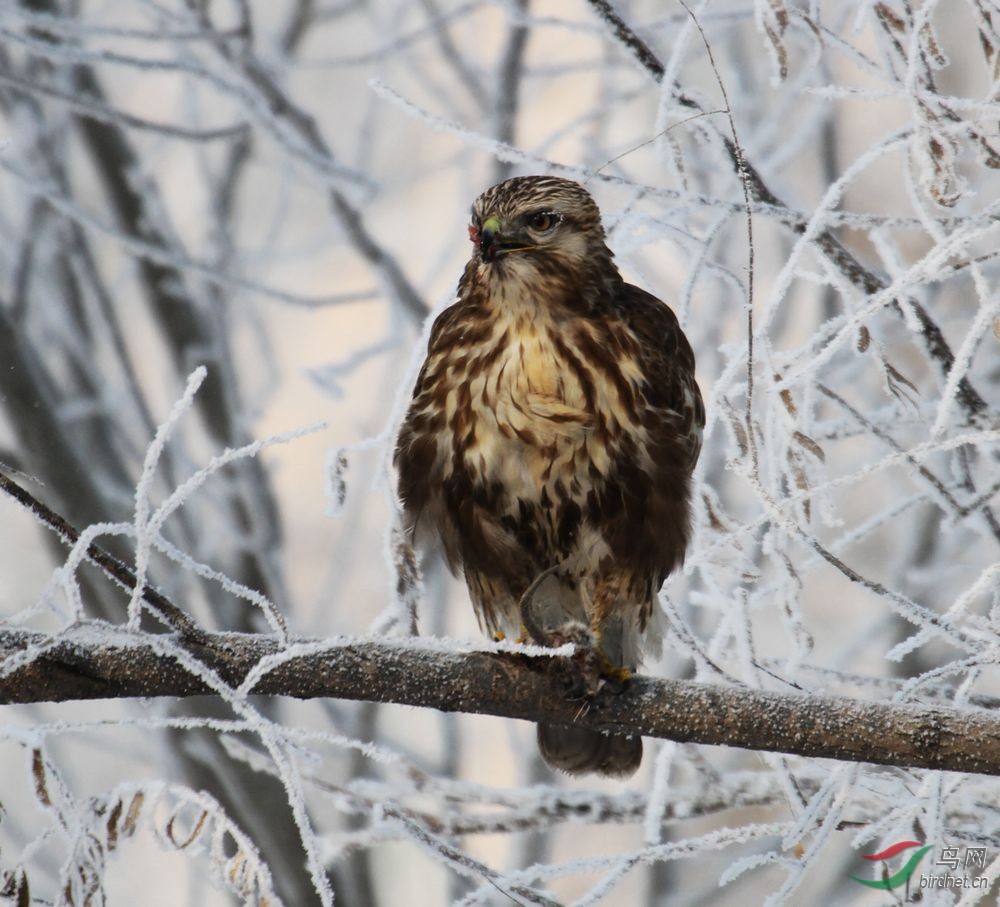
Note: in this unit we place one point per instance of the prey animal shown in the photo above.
(551, 438)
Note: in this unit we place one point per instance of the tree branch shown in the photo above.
(113, 568)
(80, 666)
(865, 279)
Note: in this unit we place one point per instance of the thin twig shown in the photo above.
(176, 619)
(744, 176)
(935, 343)
(511, 69)
(105, 113)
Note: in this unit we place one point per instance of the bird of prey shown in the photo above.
(551, 437)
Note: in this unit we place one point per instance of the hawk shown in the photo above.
(551, 436)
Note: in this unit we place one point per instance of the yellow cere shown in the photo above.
(491, 224)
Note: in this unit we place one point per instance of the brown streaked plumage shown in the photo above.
(555, 423)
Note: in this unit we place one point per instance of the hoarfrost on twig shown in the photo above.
(173, 170)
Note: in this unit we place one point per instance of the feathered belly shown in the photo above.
(525, 450)
(526, 439)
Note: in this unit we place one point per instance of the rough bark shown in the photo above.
(507, 685)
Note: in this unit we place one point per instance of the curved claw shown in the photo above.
(620, 675)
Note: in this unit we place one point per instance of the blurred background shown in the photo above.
(280, 193)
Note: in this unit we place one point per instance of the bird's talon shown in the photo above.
(616, 678)
(619, 675)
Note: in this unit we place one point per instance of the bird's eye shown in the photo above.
(543, 221)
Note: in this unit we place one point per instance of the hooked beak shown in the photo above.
(492, 243)
(489, 242)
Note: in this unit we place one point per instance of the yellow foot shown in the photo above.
(523, 638)
(607, 670)
(621, 675)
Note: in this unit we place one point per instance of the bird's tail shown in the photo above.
(567, 747)
(581, 751)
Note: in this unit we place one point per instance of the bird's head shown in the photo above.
(535, 224)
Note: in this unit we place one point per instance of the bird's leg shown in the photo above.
(618, 675)
(589, 669)
(602, 602)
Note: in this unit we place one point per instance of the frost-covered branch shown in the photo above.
(273, 200)
(862, 277)
(81, 666)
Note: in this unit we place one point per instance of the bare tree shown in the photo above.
(223, 226)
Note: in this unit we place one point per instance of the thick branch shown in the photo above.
(512, 686)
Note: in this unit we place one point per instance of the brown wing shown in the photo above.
(435, 490)
(654, 526)
(667, 362)
(417, 452)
